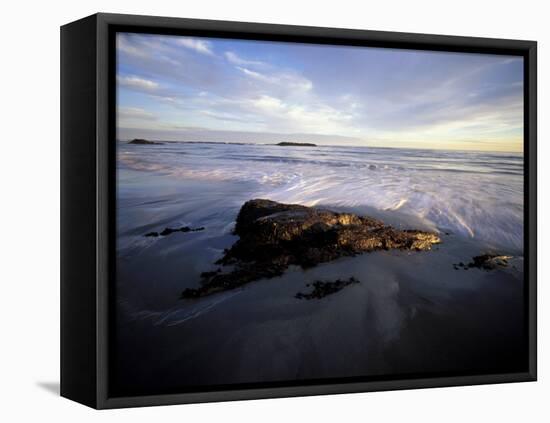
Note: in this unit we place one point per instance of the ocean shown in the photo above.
(407, 307)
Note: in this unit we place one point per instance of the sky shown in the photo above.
(177, 88)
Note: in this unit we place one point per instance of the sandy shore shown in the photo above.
(411, 312)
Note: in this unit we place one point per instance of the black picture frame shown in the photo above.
(87, 198)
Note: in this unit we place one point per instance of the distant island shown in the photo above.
(144, 142)
(296, 144)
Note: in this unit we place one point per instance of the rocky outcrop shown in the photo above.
(273, 236)
(296, 144)
(144, 142)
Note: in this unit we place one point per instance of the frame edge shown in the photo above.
(78, 240)
(104, 22)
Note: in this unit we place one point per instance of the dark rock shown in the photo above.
(489, 261)
(322, 289)
(144, 142)
(274, 236)
(168, 231)
(296, 144)
(210, 274)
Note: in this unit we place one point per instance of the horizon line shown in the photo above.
(325, 145)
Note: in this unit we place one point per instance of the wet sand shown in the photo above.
(411, 313)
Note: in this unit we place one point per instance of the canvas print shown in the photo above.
(294, 213)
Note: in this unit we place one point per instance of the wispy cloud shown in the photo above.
(237, 60)
(135, 113)
(292, 81)
(125, 46)
(200, 46)
(137, 82)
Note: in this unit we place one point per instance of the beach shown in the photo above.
(411, 312)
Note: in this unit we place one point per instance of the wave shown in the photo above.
(477, 195)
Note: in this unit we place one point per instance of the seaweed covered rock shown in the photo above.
(322, 289)
(488, 261)
(273, 236)
(169, 231)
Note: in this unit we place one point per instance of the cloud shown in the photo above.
(135, 113)
(237, 60)
(137, 83)
(270, 104)
(230, 117)
(291, 81)
(124, 45)
(256, 75)
(316, 118)
(200, 46)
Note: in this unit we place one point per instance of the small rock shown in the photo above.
(321, 288)
(141, 141)
(490, 261)
(168, 231)
(296, 144)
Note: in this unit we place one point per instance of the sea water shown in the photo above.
(476, 194)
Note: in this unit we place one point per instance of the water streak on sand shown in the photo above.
(181, 313)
